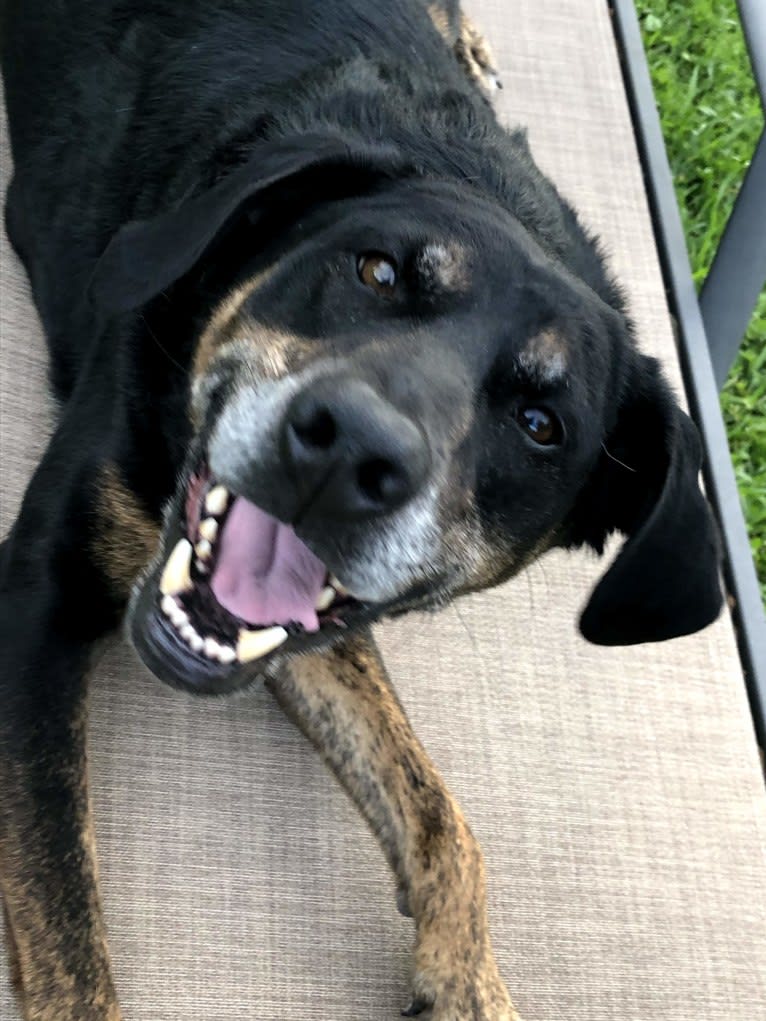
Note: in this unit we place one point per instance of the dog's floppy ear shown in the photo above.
(665, 580)
(146, 256)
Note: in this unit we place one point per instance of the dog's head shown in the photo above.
(402, 397)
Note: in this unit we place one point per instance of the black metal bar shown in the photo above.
(753, 16)
(734, 281)
(749, 618)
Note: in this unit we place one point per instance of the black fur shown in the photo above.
(164, 152)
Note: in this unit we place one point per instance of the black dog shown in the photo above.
(327, 346)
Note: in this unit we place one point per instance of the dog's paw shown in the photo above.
(475, 54)
(481, 996)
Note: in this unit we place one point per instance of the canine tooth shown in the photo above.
(226, 654)
(175, 576)
(217, 500)
(340, 589)
(203, 549)
(208, 529)
(169, 606)
(326, 599)
(254, 644)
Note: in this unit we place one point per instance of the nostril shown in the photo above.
(316, 430)
(380, 480)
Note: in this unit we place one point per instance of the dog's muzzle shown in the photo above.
(254, 568)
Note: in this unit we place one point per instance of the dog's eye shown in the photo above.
(540, 425)
(378, 272)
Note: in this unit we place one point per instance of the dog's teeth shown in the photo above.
(214, 650)
(211, 647)
(179, 617)
(175, 576)
(208, 529)
(187, 632)
(172, 610)
(203, 549)
(254, 644)
(197, 642)
(217, 500)
(326, 599)
(340, 589)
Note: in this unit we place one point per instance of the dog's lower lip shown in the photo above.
(169, 658)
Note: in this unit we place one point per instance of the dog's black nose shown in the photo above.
(350, 452)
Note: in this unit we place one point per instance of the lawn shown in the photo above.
(711, 118)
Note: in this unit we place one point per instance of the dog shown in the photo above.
(326, 347)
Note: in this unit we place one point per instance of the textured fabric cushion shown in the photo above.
(616, 792)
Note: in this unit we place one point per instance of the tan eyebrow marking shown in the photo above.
(446, 265)
(544, 356)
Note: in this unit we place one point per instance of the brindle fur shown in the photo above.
(59, 955)
(14, 964)
(127, 536)
(344, 703)
(60, 970)
(446, 21)
(468, 43)
(475, 55)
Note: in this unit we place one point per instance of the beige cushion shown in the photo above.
(616, 792)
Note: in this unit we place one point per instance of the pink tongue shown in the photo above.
(264, 573)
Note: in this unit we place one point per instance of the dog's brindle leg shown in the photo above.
(56, 603)
(344, 703)
(476, 57)
(467, 42)
(47, 863)
(14, 966)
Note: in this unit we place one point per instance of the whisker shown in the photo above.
(154, 337)
(618, 461)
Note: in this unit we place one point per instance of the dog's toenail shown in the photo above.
(416, 1007)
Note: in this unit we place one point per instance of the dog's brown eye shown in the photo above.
(540, 425)
(378, 272)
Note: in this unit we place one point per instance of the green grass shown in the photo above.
(711, 119)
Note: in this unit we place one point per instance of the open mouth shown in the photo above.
(239, 584)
